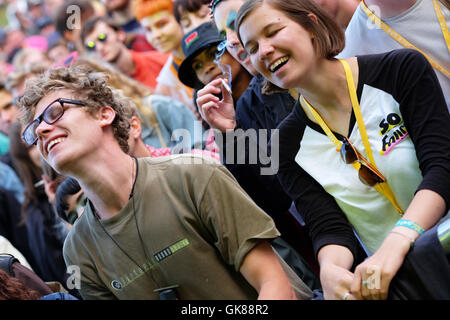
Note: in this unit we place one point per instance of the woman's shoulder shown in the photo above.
(395, 59)
(396, 55)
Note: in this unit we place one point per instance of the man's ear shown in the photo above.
(122, 36)
(106, 116)
(135, 129)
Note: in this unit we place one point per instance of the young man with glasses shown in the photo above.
(102, 38)
(180, 222)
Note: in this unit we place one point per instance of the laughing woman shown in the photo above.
(372, 130)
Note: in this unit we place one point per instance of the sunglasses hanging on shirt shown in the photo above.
(367, 170)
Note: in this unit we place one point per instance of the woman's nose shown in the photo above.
(265, 49)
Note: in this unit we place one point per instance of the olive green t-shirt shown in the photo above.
(196, 226)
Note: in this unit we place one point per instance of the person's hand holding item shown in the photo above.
(335, 277)
(219, 114)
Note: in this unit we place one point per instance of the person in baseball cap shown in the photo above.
(206, 60)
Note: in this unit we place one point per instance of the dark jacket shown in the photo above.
(44, 242)
(255, 110)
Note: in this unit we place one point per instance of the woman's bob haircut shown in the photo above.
(328, 38)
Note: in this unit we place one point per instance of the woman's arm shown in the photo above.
(413, 83)
(334, 242)
(335, 262)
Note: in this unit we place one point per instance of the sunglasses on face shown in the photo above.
(102, 37)
(52, 113)
(368, 174)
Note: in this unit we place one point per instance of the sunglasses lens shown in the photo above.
(367, 176)
(348, 154)
(102, 37)
(90, 46)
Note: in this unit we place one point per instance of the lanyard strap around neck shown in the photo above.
(394, 34)
(382, 188)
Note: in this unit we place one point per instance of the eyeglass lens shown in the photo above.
(51, 114)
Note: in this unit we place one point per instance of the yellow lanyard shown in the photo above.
(382, 188)
(405, 42)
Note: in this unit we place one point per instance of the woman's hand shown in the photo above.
(336, 282)
(219, 114)
(373, 276)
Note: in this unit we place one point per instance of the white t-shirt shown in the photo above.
(419, 25)
(7, 247)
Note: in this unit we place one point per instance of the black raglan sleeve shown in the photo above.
(411, 80)
(326, 222)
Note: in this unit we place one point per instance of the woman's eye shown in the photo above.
(272, 32)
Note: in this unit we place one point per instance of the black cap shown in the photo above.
(193, 43)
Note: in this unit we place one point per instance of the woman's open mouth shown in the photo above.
(278, 64)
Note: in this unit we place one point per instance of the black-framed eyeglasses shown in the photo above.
(102, 37)
(52, 113)
(367, 173)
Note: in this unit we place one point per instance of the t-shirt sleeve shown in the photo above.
(414, 85)
(236, 223)
(324, 220)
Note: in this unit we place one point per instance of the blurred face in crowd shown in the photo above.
(224, 17)
(8, 111)
(58, 53)
(8, 115)
(106, 42)
(190, 20)
(163, 31)
(34, 56)
(14, 39)
(207, 70)
(116, 5)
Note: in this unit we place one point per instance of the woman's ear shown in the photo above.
(313, 17)
(106, 116)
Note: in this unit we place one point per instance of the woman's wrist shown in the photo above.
(397, 244)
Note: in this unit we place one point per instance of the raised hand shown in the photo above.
(219, 114)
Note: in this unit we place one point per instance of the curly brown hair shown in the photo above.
(91, 87)
(13, 289)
